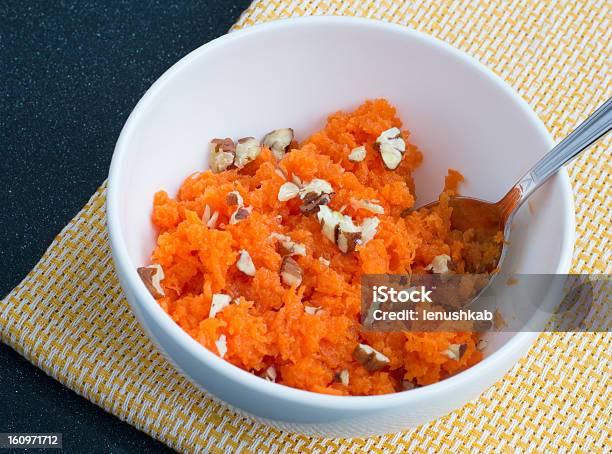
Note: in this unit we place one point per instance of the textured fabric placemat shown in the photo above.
(69, 316)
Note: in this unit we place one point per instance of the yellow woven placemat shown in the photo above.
(69, 316)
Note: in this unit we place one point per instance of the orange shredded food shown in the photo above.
(269, 326)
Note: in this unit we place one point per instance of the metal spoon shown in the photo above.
(494, 217)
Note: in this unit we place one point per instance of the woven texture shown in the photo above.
(69, 316)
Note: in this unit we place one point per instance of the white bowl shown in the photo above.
(294, 73)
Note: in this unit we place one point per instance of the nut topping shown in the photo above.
(288, 191)
(278, 141)
(152, 275)
(343, 377)
(210, 219)
(222, 154)
(341, 230)
(240, 214)
(270, 374)
(440, 264)
(287, 246)
(455, 351)
(369, 358)
(369, 228)
(482, 344)
(314, 194)
(317, 187)
(312, 202)
(357, 154)
(247, 150)
(391, 147)
(219, 302)
(245, 263)
(221, 345)
(407, 385)
(311, 310)
(291, 272)
(234, 199)
(367, 205)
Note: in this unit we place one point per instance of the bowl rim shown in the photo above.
(124, 266)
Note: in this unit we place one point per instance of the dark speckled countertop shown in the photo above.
(71, 72)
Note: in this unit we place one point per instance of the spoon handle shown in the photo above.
(593, 128)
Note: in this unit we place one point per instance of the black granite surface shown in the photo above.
(70, 73)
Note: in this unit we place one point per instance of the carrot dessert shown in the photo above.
(260, 258)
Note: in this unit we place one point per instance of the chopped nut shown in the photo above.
(312, 310)
(270, 374)
(312, 202)
(341, 230)
(482, 344)
(287, 246)
(391, 147)
(278, 141)
(212, 222)
(329, 220)
(222, 154)
(234, 198)
(369, 228)
(343, 377)
(288, 191)
(151, 276)
(348, 241)
(357, 154)
(440, 264)
(281, 173)
(296, 180)
(247, 150)
(240, 214)
(369, 358)
(206, 214)
(219, 302)
(221, 345)
(245, 263)
(291, 272)
(367, 205)
(455, 351)
(317, 187)
(324, 261)
(407, 385)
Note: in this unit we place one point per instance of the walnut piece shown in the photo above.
(391, 147)
(368, 205)
(312, 202)
(440, 264)
(234, 199)
(287, 246)
(151, 276)
(482, 344)
(270, 374)
(222, 154)
(221, 345)
(247, 150)
(219, 302)
(240, 214)
(245, 263)
(455, 351)
(287, 191)
(314, 194)
(341, 230)
(291, 272)
(369, 358)
(343, 376)
(357, 154)
(278, 141)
